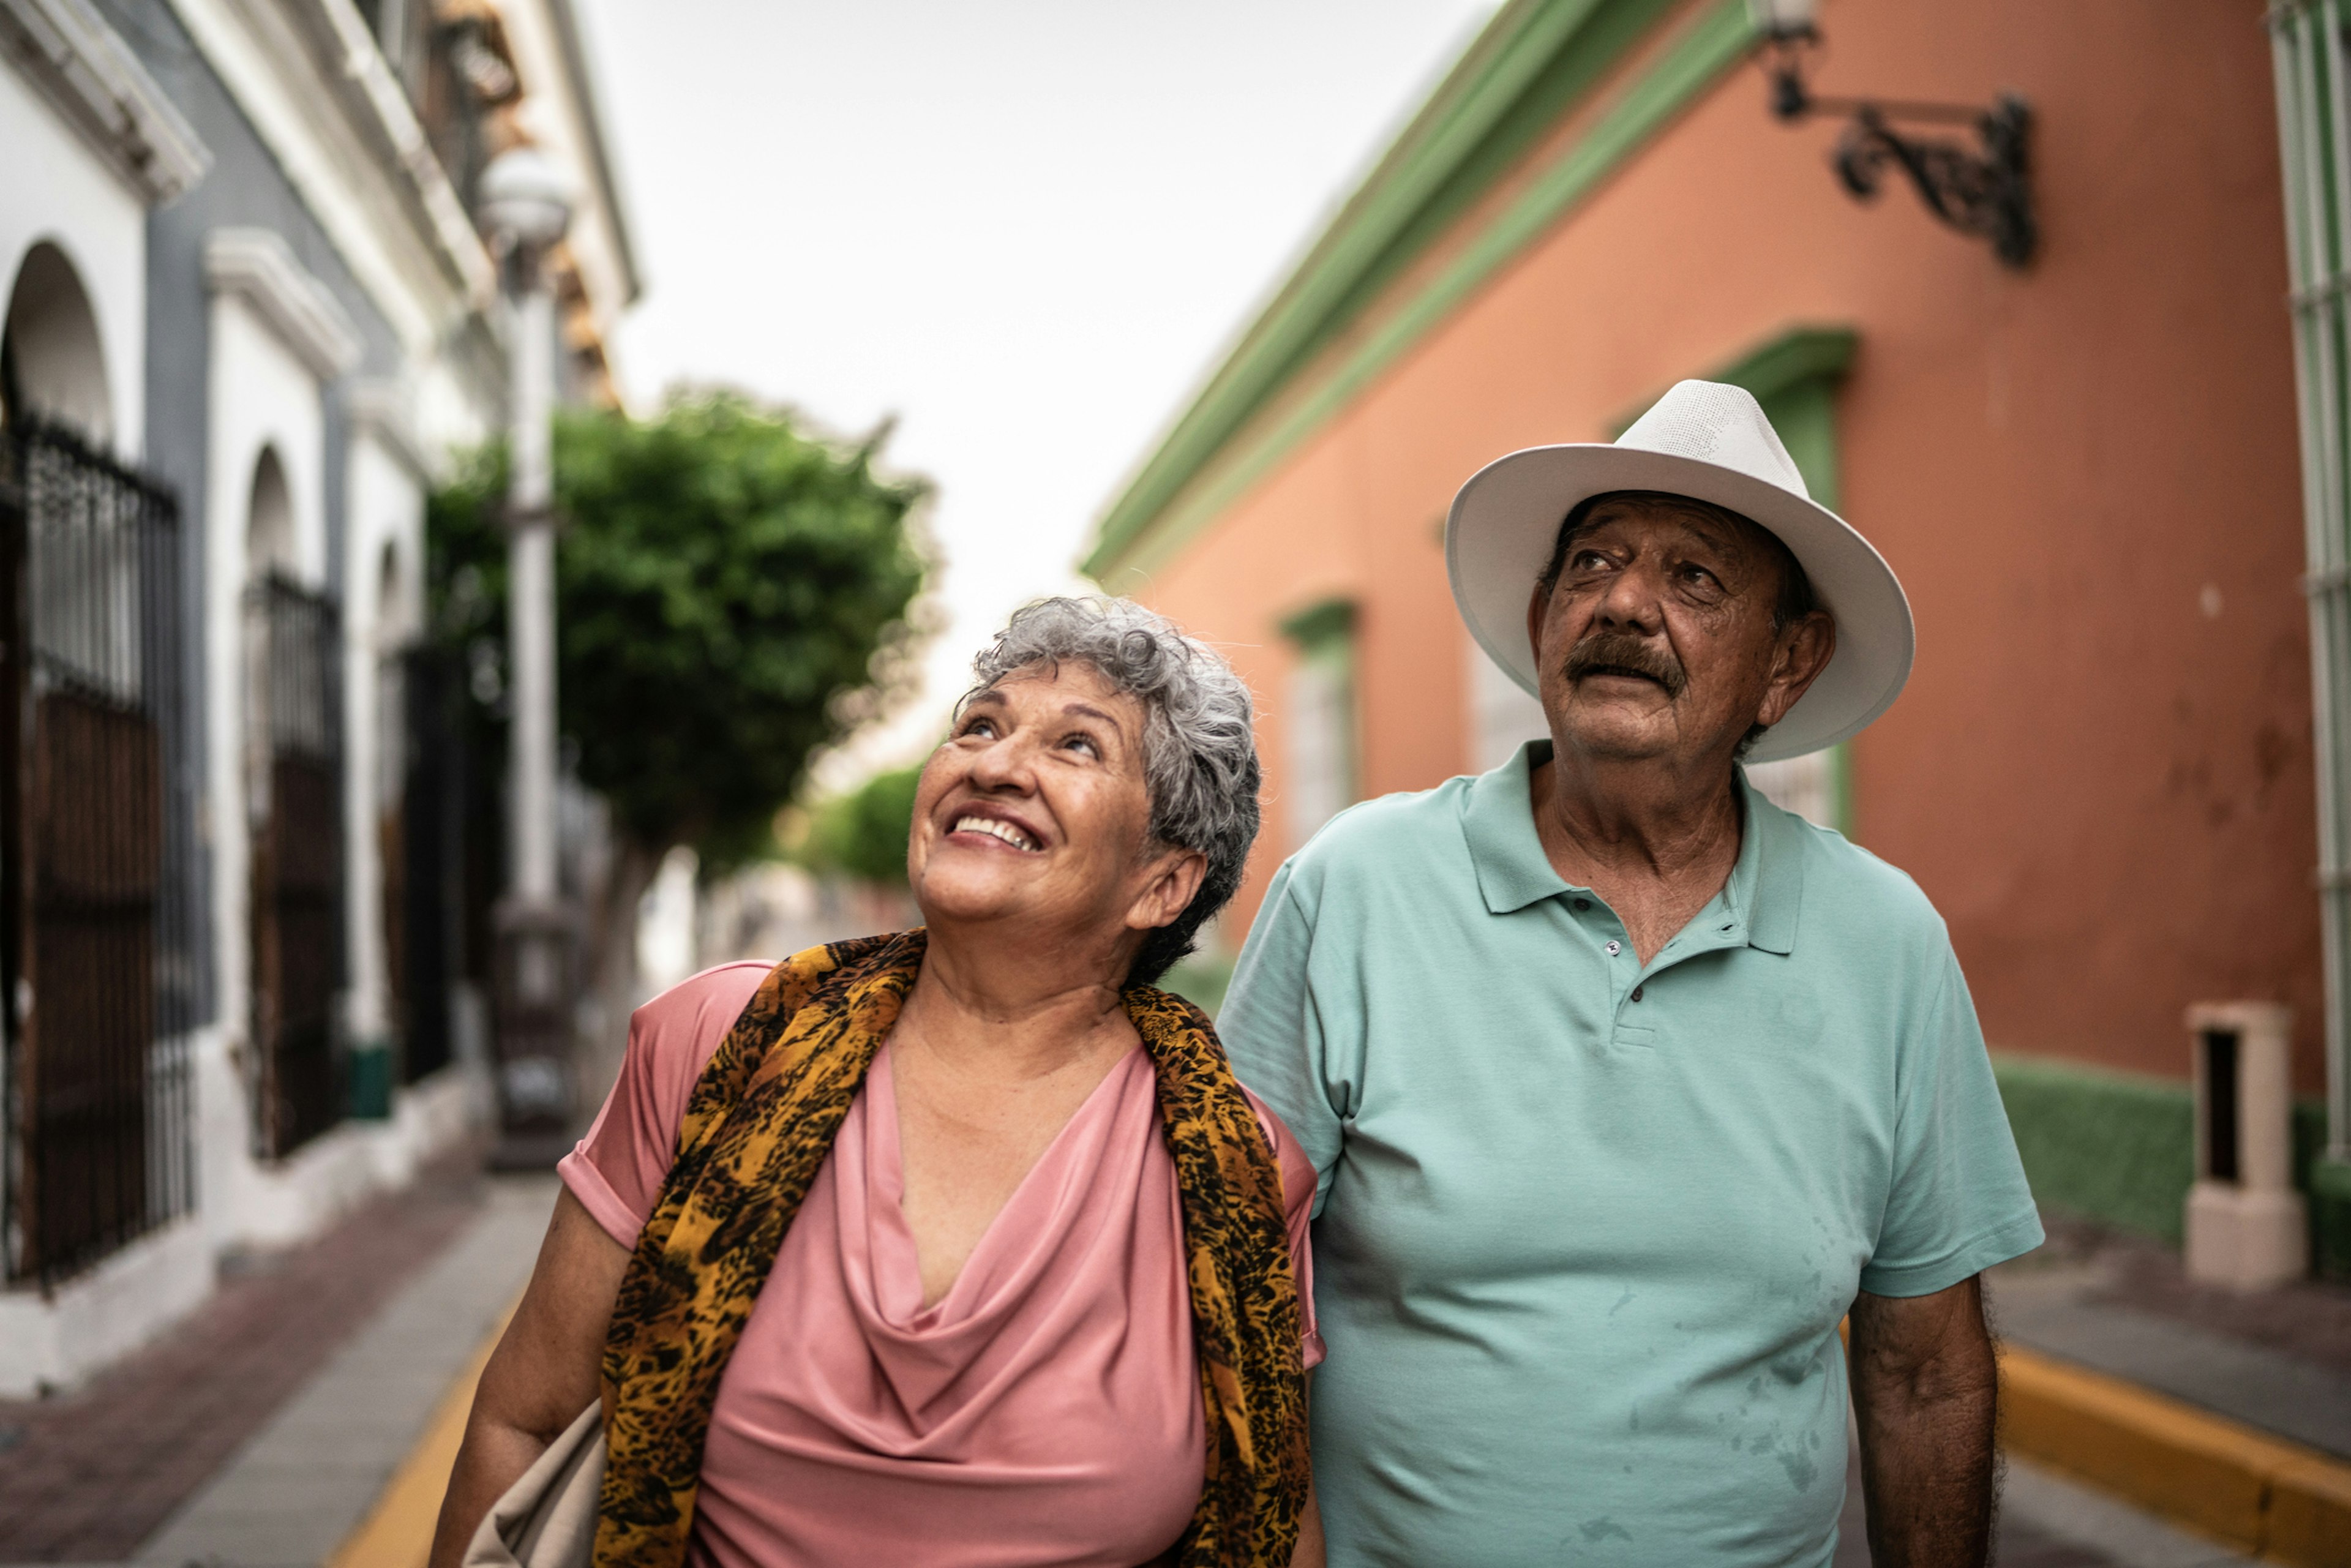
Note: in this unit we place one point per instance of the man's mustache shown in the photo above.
(1625, 653)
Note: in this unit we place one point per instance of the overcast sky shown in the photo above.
(1025, 227)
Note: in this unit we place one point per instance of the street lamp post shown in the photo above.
(527, 204)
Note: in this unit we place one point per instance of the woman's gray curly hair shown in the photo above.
(1199, 751)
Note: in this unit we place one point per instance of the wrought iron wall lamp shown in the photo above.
(1985, 191)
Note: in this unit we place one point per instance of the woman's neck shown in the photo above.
(1013, 1008)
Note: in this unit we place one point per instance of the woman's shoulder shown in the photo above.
(679, 1032)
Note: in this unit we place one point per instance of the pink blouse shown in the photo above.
(1045, 1411)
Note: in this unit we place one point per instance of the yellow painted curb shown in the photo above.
(398, 1529)
(2286, 1502)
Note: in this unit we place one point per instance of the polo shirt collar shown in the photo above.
(1497, 820)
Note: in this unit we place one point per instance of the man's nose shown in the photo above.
(1631, 599)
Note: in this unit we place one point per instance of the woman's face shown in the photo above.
(1036, 809)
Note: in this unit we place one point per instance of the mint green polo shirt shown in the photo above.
(1585, 1227)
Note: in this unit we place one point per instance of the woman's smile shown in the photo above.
(996, 830)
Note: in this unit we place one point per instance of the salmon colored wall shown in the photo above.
(2106, 790)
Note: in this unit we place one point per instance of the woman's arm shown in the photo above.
(544, 1372)
(1310, 1553)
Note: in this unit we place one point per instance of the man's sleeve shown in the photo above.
(1958, 1202)
(1272, 1032)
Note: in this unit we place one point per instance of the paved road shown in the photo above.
(305, 1481)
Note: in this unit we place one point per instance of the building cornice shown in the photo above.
(376, 407)
(254, 266)
(82, 66)
(297, 94)
(1537, 63)
(349, 57)
(600, 162)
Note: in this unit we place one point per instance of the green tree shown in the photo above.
(732, 593)
(863, 833)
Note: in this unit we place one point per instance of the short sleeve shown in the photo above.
(617, 1170)
(1271, 1032)
(1298, 1220)
(1959, 1201)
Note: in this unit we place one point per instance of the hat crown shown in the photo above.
(1714, 423)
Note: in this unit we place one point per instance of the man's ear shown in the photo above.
(1538, 603)
(1799, 655)
(1175, 880)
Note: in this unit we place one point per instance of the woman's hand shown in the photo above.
(545, 1372)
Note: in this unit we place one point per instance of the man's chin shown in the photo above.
(1613, 732)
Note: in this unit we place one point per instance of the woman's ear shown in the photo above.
(1175, 877)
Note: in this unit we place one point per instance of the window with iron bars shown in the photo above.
(294, 795)
(96, 960)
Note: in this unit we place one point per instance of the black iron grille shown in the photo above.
(425, 958)
(294, 643)
(95, 954)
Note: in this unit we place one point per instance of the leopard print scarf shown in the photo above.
(758, 1126)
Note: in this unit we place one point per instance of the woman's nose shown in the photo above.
(1002, 764)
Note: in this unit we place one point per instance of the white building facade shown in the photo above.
(249, 320)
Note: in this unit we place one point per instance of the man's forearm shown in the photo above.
(1926, 1392)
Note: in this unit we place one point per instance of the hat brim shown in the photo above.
(1505, 521)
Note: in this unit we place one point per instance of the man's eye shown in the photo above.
(984, 730)
(1084, 743)
(1590, 561)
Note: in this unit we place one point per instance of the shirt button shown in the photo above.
(1583, 904)
(1614, 948)
(1637, 992)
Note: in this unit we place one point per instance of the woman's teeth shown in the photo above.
(995, 829)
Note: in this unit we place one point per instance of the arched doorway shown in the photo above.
(54, 364)
(293, 817)
(93, 941)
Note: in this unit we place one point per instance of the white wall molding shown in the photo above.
(66, 50)
(377, 408)
(256, 265)
(379, 105)
(53, 1340)
(294, 103)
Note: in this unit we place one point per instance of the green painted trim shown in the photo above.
(1796, 355)
(2120, 1148)
(2109, 1147)
(1787, 360)
(1321, 624)
(1535, 61)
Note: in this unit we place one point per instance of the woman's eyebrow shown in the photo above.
(1087, 710)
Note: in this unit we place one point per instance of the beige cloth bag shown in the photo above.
(547, 1518)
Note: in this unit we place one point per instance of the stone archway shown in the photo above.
(55, 363)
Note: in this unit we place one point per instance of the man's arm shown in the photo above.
(1926, 1391)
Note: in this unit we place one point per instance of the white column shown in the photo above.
(530, 596)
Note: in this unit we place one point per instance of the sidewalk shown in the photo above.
(309, 1479)
(2229, 1413)
(259, 1432)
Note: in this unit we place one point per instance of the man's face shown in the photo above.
(1657, 642)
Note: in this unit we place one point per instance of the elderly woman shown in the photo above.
(960, 1246)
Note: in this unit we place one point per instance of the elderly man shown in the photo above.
(1624, 1086)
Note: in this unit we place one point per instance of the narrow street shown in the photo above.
(309, 1414)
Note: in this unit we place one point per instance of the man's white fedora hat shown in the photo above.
(1710, 441)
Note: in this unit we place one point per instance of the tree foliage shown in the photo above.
(732, 593)
(863, 833)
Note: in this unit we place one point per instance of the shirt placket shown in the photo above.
(1717, 927)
